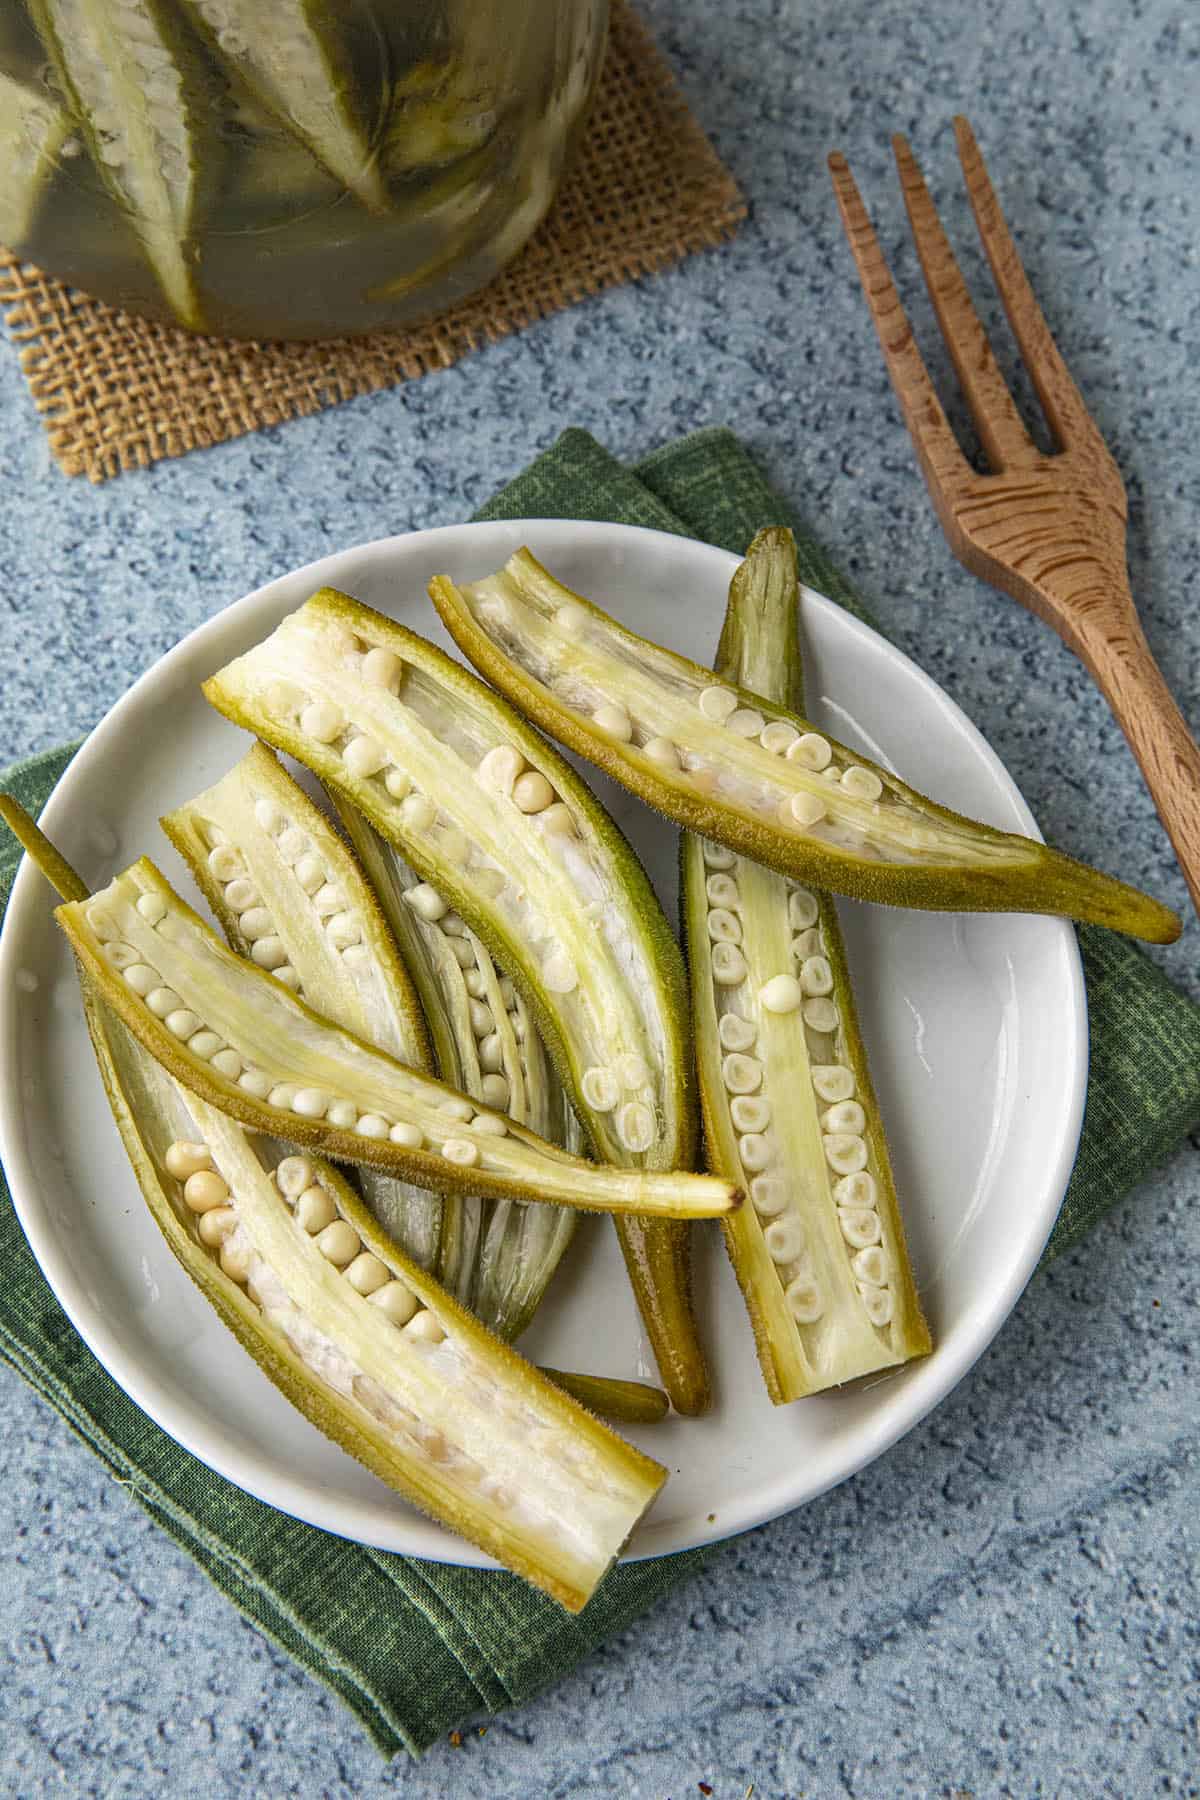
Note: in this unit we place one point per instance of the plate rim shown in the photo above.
(304, 1498)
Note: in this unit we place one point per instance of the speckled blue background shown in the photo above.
(1006, 1604)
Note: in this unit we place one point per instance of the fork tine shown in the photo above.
(1005, 439)
(945, 467)
(1060, 399)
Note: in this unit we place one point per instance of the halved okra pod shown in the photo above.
(496, 1257)
(784, 1083)
(290, 896)
(510, 838)
(241, 1040)
(749, 772)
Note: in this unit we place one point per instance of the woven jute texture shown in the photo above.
(117, 392)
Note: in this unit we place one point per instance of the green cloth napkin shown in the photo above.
(415, 1647)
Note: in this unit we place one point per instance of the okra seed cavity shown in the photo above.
(328, 899)
(768, 1195)
(571, 618)
(745, 721)
(141, 978)
(716, 856)
(728, 965)
(343, 930)
(722, 890)
(288, 976)
(782, 994)
(559, 973)
(339, 1243)
(832, 1081)
(877, 1302)
(615, 721)
(857, 1191)
(462, 1110)
(778, 737)
(269, 953)
(532, 793)
(500, 767)
(724, 927)
(120, 955)
(226, 862)
(366, 1274)
(204, 1190)
(426, 902)
(269, 817)
(395, 1301)
(811, 751)
(382, 669)
(635, 1126)
(227, 1063)
(806, 809)
(847, 1115)
(183, 1159)
(410, 1136)
(205, 1044)
(182, 1022)
(398, 783)
(215, 1226)
(807, 943)
(717, 703)
(372, 1126)
(315, 1210)
(803, 910)
(741, 1074)
(494, 1089)
(804, 1300)
(845, 1152)
(310, 1103)
(784, 1239)
(322, 720)
(236, 1263)
(750, 1112)
(152, 907)
(860, 1229)
(870, 1265)
(102, 925)
(601, 1089)
(240, 894)
(425, 1328)
(864, 784)
(662, 751)
(816, 976)
(363, 757)
(163, 1000)
(461, 1151)
(631, 1070)
(557, 820)
(737, 1033)
(756, 1152)
(293, 1175)
(342, 1113)
(821, 1015)
(418, 812)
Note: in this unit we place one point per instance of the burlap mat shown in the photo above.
(116, 392)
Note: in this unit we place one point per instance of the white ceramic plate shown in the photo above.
(975, 1026)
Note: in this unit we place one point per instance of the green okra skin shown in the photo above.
(749, 772)
(630, 1402)
(510, 838)
(289, 895)
(242, 1041)
(785, 1086)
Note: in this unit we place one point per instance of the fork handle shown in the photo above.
(1124, 668)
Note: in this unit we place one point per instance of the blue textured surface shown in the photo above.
(1007, 1603)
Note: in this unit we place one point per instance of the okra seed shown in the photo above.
(269, 952)
(847, 1115)
(717, 703)
(215, 1226)
(409, 1135)
(285, 697)
(288, 976)
(741, 1074)
(559, 974)
(615, 721)
(756, 1152)
(293, 1175)
(728, 965)
(323, 721)
(858, 1191)
(557, 820)
(662, 751)
(395, 1301)
(859, 1228)
(864, 784)
(750, 1112)
(635, 1126)
(778, 737)
(343, 930)
(489, 1125)
(476, 983)
(343, 1114)
(722, 890)
(600, 1088)
(398, 783)
(782, 994)
(226, 862)
(508, 992)
(816, 976)
(256, 922)
(806, 809)
(426, 902)
(845, 1152)
(102, 925)
(784, 1239)
(491, 1055)
(494, 1089)
(152, 907)
(870, 1265)
(463, 952)
(877, 1302)
(183, 1159)
(454, 1108)
(418, 812)
(804, 1300)
(120, 955)
(141, 978)
(363, 757)
(366, 1274)
(453, 845)
(310, 1103)
(807, 943)
(183, 1022)
(724, 927)
(269, 817)
(328, 899)
(769, 1195)
(500, 767)
(803, 910)
(461, 1151)
(532, 793)
(240, 894)
(236, 1263)
(716, 856)
(371, 1125)
(481, 1018)
(737, 1033)
(811, 751)
(571, 617)
(382, 669)
(518, 1025)
(315, 1210)
(632, 1071)
(204, 1190)
(454, 925)
(205, 1044)
(163, 1000)
(745, 721)
(820, 1015)
(832, 1081)
(282, 1095)
(255, 1082)
(339, 1243)
(425, 1328)
(310, 873)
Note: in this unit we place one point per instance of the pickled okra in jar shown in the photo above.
(308, 169)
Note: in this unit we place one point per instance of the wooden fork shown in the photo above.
(1049, 530)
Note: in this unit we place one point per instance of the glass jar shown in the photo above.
(286, 168)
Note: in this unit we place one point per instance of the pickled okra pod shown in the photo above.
(510, 838)
(784, 1083)
(33, 132)
(749, 772)
(242, 1041)
(290, 896)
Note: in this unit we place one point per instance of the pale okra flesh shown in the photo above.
(289, 895)
(750, 772)
(496, 1257)
(244, 1042)
(33, 133)
(515, 843)
(366, 1345)
(785, 1087)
